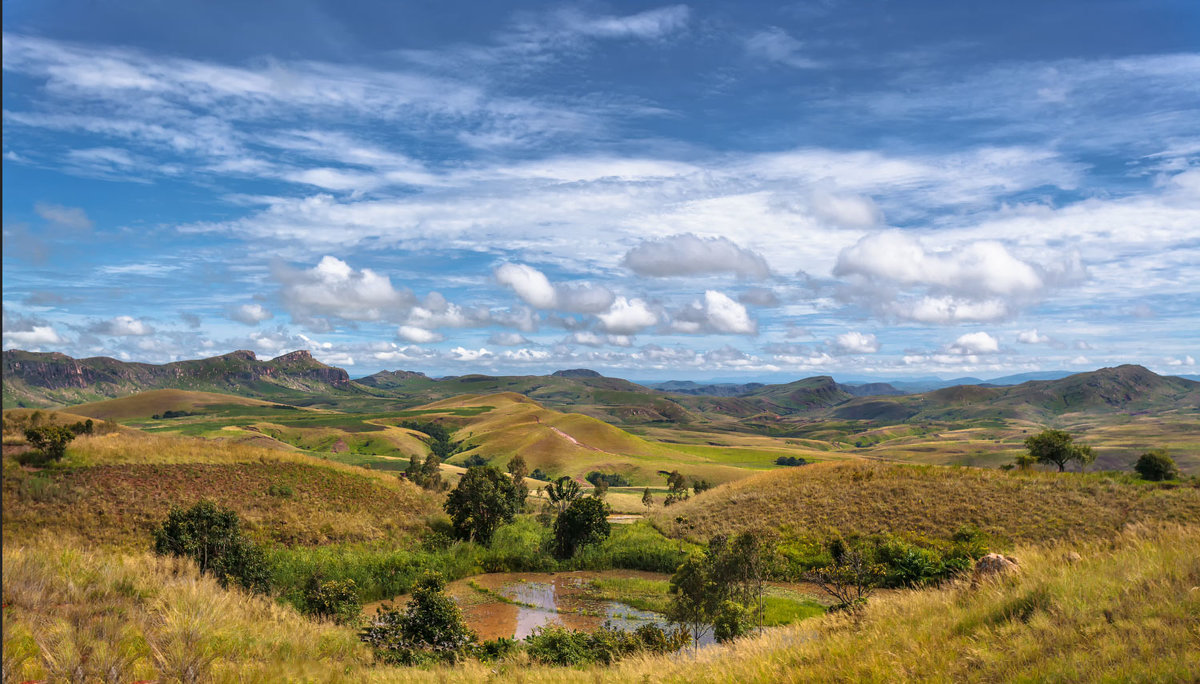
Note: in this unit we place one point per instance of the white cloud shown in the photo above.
(1080, 361)
(68, 217)
(775, 45)
(418, 335)
(1032, 337)
(507, 339)
(251, 314)
(1185, 361)
(652, 23)
(856, 343)
(463, 354)
(334, 290)
(974, 343)
(688, 254)
(847, 211)
(535, 289)
(727, 316)
(35, 336)
(122, 326)
(627, 316)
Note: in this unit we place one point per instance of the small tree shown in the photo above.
(431, 628)
(647, 500)
(1057, 447)
(1156, 465)
(211, 535)
(699, 486)
(484, 499)
(850, 579)
(336, 600)
(600, 489)
(695, 599)
(49, 440)
(518, 470)
(677, 489)
(584, 522)
(562, 492)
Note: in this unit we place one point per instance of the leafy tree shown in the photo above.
(1025, 461)
(484, 499)
(731, 621)
(431, 474)
(474, 460)
(518, 470)
(333, 599)
(790, 461)
(430, 629)
(1156, 465)
(695, 598)
(562, 492)
(49, 440)
(211, 535)
(610, 479)
(539, 474)
(647, 499)
(850, 579)
(1057, 447)
(699, 486)
(584, 522)
(677, 489)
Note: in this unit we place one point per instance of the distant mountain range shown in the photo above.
(35, 379)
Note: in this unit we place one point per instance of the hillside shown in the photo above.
(50, 379)
(850, 497)
(145, 405)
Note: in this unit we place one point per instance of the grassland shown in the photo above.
(866, 498)
(1126, 610)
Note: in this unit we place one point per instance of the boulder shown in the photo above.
(993, 565)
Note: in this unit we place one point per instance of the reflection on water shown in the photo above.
(541, 599)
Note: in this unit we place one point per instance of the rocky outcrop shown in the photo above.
(993, 565)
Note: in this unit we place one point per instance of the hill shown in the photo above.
(851, 497)
(52, 379)
(167, 401)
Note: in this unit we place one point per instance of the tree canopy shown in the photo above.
(1058, 448)
(484, 499)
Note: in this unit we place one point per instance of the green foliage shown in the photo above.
(731, 621)
(484, 499)
(496, 649)
(695, 597)
(539, 474)
(335, 600)
(282, 491)
(430, 630)
(610, 479)
(850, 579)
(584, 522)
(519, 547)
(699, 486)
(426, 474)
(1156, 466)
(518, 470)
(555, 645)
(165, 415)
(677, 489)
(50, 441)
(1058, 448)
(647, 499)
(211, 535)
(474, 460)
(790, 461)
(562, 492)
(632, 547)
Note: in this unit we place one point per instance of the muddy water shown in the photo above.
(539, 599)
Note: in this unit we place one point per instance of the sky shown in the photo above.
(757, 190)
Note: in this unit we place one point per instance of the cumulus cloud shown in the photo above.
(627, 316)
(979, 281)
(418, 335)
(250, 314)
(974, 343)
(717, 313)
(688, 255)
(846, 211)
(334, 290)
(856, 343)
(1185, 361)
(121, 326)
(1032, 337)
(536, 290)
(28, 333)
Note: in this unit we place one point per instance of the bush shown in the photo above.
(211, 535)
(790, 461)
(483, 500)
(280, 490)
(496, 649)
(335, 600)
(539, 474)
(731, 621)
(519, 547)
(474, 460)
(610, 479)
(554, 645)
(50, 441)
(1156, 466)
(584, 522)
(431, 628)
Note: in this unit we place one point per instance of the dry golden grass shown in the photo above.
(1127, 610)
(111, 490)
(146, 404)
(864, 497)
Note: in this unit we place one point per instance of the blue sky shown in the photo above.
(756, 190)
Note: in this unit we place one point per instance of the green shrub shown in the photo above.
(211, 535)
(49, 441)
(554, 645)
(474, 460)
(431, 628)
(585, 522)
(519, 547)
(496, 649)
(280, 490)
(335, 600)
(611, 479)
(790, 461)
(1156, 466)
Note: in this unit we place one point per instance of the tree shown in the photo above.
(431, 474)
(699, 486)
(647, 500)
(695, 599)
(211, 535)
(850, 579)
(584, 522)
(518, 470)
(49, 440)
(1156, 465)
(1058, 448)
(431, 628)
(332, 599)
(484, 499)
(562, 492)
(600, 489)
(677, 489)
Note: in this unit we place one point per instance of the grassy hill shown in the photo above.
(145, 405)
(850, 497)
